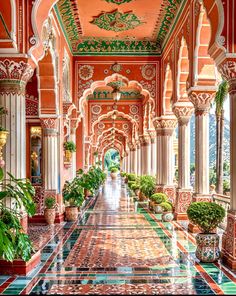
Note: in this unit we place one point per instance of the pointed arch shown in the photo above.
(183, 70)
(168, 91)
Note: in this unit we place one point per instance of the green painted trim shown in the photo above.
(62, 27)
(173, 25)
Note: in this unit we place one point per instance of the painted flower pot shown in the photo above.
(167, 216)
(50, 215)
(207, 247)
(157, 209)
(72, 214)
(113, 176)
(68, 155)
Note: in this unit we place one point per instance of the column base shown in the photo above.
(169, 190)
(229, 241)
(182, 202)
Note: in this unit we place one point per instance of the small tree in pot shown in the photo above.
(135, 187)
(73, 195)
(147, 187)
(114, 171)
(69, 147)
(167, 214)
(155, 202)
(50, 209)
(207, 216)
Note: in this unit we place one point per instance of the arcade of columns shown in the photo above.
(34, 87)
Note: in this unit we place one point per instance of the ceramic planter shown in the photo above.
(207, 247)
(167, 216)
(113, 176)
(72, 214)
(157, 208)
(50, 215)
(68, 155)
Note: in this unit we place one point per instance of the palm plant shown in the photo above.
(219, 102)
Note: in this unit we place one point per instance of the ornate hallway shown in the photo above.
(133, 252)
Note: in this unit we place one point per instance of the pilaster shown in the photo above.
(145, 154)
(183, 111)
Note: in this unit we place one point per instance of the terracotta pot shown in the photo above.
(113, 176)
(72, 213)
(136, 191)
(141, 196)
(126, 180)
(68, 155)
(167, 216)
(87, 193)
(151, 204)
(50, 215)
(207, 247)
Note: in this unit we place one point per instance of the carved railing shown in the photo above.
(224, 201)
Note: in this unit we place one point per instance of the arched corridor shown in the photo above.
(133, 252)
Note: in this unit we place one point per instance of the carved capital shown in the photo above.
(49, 123)
(228, 72)
(183, 111)
(165, 125)
(14, 76)
(201, 101)
(144, 140)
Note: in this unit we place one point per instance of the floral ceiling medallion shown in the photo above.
(116, 21)
(118, 2)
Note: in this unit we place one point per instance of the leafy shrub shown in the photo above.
(134, 186)
(130, 183)
(147, 185)
(70, 145)
(131, 177)
(114, 170)
(206, 215)
(123, 174)
(159, 198)
(226, 186)
(167, 206)
(50, 202)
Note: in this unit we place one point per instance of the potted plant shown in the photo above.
(15, 243)
(73, 195)
(114, 171)
(155, 202)
(136, 188)
(207, 216)
(3, 136)
(147, 187)
(88, 181)
(167, 214)
(69, 147)
(50, 209)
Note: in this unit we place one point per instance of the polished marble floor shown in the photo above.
(118, 247)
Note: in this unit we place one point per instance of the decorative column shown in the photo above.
(145, 154)
(202, 101)
(133, 159)
(183, 111)
(13, 79)
(128, 162)
(165, 126)
(139, 164)
(153, 153)
(73, 126)
(228, 71)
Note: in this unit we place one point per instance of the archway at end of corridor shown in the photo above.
(112, 160)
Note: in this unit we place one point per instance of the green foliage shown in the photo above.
(212, 176)
(159, 198)
(226, 168)
(167, 206)
(14, 243)
(50, 202)
(192, 168)
(114, 169)
(130, 183)
(123, 174)
(131, 177)
(134, 186)
(73, 193)
(111, 159)
(220, 97)
(70, 145)
(226, 186)
(206, 215)
(147, 185)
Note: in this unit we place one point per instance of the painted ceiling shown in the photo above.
(116, 27)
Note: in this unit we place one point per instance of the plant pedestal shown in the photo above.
(20, 267)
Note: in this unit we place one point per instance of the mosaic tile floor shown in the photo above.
(118, 247)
